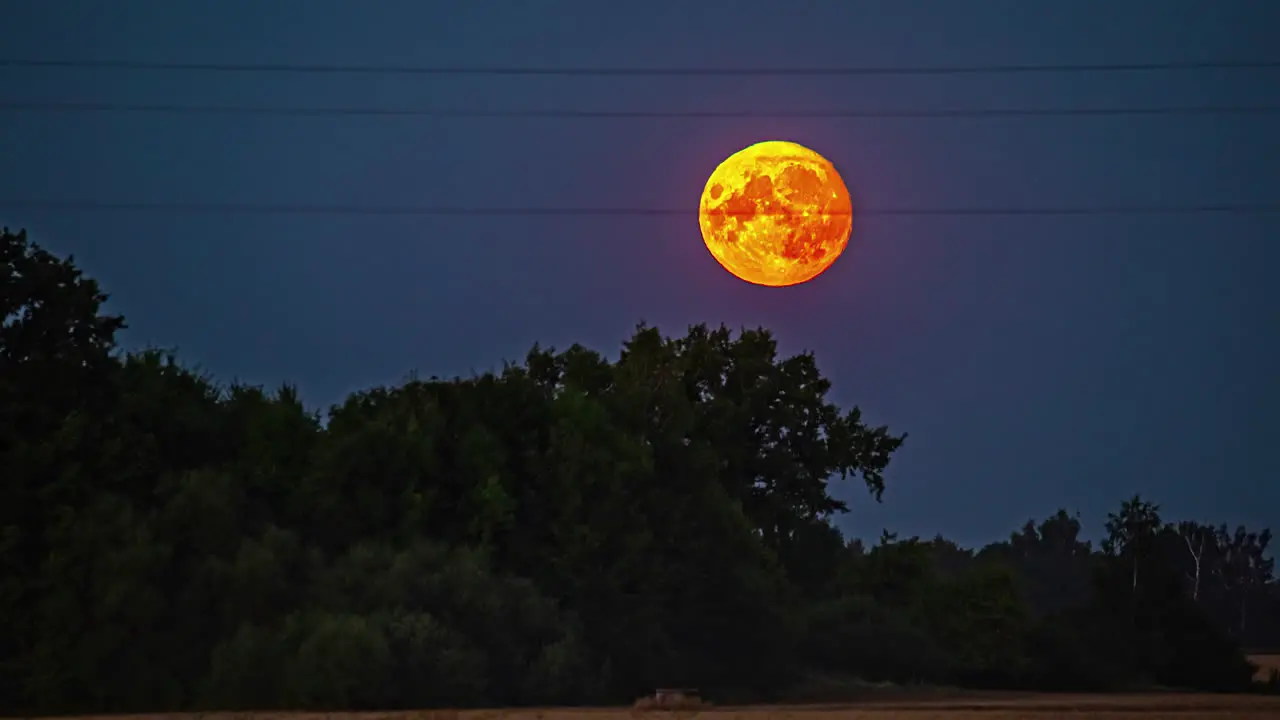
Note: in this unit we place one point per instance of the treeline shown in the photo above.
(568, 530)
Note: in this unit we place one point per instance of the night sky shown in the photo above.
(1037, 362)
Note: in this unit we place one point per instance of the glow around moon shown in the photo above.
(776, 213)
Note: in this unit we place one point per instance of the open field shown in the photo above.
(1266, 663)
(1006, 707)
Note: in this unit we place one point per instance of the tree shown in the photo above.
(569, 529)
(1131, 535)
(1053, 565)
(1194, 539)
(1244, 572)
(55, 363)
(779, 439)
(981, 620)
(54, 339)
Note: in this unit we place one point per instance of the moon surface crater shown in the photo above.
(775, 213)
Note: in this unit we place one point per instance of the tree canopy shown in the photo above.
(569, 529)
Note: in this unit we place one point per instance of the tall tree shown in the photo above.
(1131, 535)
(1053, 564)
(1244, 573)
(54, 339)
(1195, 544)
(55, 377)
(777, 438)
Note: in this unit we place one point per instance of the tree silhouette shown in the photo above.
(569, 529)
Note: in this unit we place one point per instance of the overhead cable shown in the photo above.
(706, 71)
(514, 113)
(238, 208)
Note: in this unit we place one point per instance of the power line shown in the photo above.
(369, 69)
(428, 210)
(387, 112)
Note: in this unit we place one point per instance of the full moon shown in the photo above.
(775, 213)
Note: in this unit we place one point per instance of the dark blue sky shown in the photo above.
(1037, 362)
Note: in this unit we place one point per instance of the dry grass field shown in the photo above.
(1266, 664)
(1004, 707)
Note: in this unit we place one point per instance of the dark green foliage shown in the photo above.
(572, 529)
(1065, 652)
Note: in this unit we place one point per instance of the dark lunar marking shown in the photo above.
(805, 184)
(716, 191)
(740, 207)
(760, 186)
(793, 246)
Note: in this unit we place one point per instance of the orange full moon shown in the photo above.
(775, 213)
